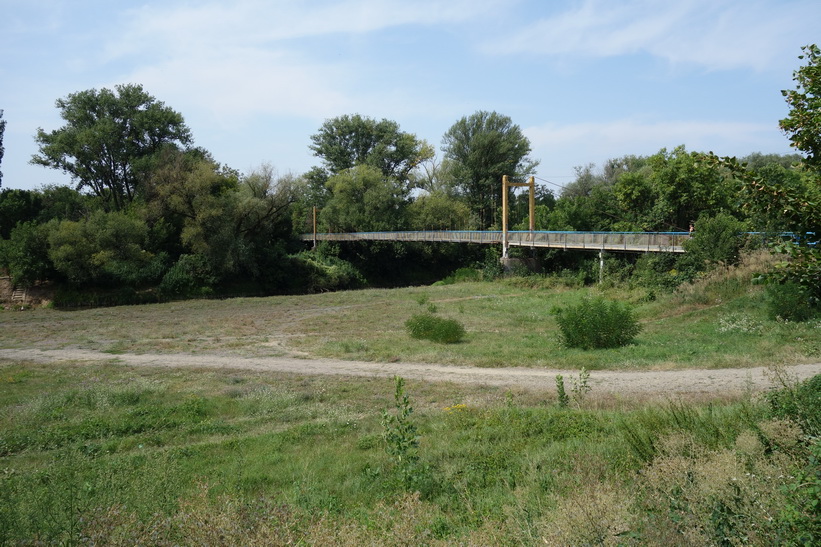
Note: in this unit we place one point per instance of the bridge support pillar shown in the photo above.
(510, 265)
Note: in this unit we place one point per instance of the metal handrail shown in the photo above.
(594, 241)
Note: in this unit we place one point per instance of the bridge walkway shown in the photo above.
(634, 242)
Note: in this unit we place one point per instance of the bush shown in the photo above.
(461, 275)
(790, 301)
(800, 403)
(319, 271)
(190, 276)
(25, 254)
(717, 239)
(597, 323)
(426, 326)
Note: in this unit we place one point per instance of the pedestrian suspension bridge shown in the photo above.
(629, 242)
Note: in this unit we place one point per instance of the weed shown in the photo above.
(738, 323)
(798, 401)
(580, 386)
(799, 518)
(564, 400)
(400, 434)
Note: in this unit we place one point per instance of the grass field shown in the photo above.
(107, 454)
(721, 323)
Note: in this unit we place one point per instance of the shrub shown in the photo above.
(799, 402)
(320, 271)
(717, 239)
(597, 323)
(790, 301)
(190, 276)
(426, 326)
(461, 275)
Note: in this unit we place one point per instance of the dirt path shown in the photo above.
(713, 381)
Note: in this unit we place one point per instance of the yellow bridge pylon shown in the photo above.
(531, 183)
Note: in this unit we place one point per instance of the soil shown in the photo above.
(709, 382)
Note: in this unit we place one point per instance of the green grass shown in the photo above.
(720, 325)
(118, 455)
(152, 454)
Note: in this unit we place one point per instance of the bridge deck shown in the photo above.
(667, 242)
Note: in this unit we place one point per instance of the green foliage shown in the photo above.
(438, 211)
(25, 254)
(401, 435)
(482, 148)
(104, 455)
(190, 276)
(107, 139)
(800, 402)
(562, 397)
(662, 192)
(791, 302)
(462, 275)
(799, 522)
(350, 141)
(363, 200)
(803, 125)
(717, 239)
(320, 271)
(17, 206)
(105, 248)
(426, 326)
(580, 386)
(662, 272)
(596, 323)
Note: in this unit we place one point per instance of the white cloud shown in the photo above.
(243, 58)
(241, 83)
(716, 34)
(260, 22)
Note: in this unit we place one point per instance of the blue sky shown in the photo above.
(586, 80)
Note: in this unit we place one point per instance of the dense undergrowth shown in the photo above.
(109, 455)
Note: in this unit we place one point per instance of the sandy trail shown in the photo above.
(693, 381)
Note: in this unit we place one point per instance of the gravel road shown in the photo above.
(693, 381)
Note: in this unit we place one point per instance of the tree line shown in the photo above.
(150, 215)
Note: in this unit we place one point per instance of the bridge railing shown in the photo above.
(605, 241)
(608, 241)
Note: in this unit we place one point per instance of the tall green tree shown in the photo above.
(108, 140)
(787, 201)
(347, 141)
(364, 201)
(482, 148)
(227, 220)
(671, 190)
(438, 211)
(18, 206)
(803, 124)
(106, 248)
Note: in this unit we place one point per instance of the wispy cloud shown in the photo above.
(715, 34)
(257, 57)
(265, 22)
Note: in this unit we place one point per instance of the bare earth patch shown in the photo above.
(673, 382)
